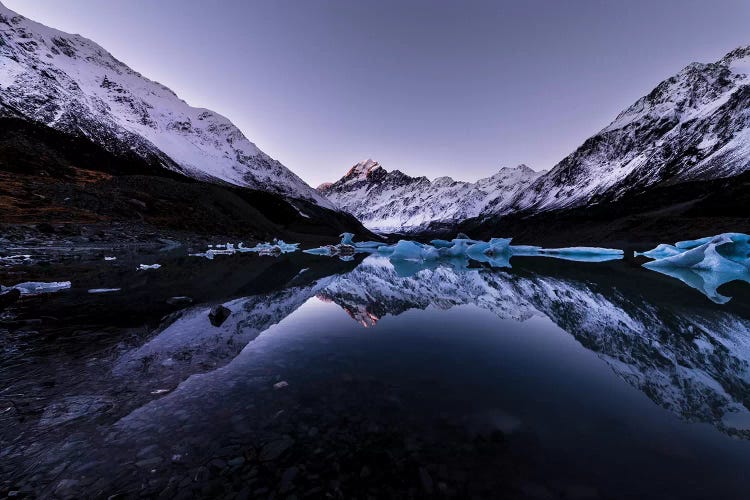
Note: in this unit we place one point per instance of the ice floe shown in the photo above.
(104, 290)
(16, 259)
(146, 267)
(705, 263)
(38, 287)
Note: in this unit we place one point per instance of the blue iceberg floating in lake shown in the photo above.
(411, 250)
(705, 263)
(583, 254)
(577, 254)
(728, 252)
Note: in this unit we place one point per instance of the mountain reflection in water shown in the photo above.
(448, 393)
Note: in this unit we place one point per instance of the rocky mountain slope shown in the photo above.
(693, 126)
(395, 202)
(73, 85)
(678, 158)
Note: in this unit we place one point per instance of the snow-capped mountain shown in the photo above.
(73, 85)
(395, 202)
(692, 126)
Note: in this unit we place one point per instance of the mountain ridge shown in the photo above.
(391, 201)
(72, 84)
(692, 127)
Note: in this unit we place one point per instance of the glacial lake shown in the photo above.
(334, 379)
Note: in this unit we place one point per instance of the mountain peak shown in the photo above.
(395, 202)
(362, 170)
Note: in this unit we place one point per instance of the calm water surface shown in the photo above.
(551, 379)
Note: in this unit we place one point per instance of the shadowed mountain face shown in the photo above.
(48, 176)
(73, 85)
(87, 140)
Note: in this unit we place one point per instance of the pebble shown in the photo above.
(274, 449)
(287, 478)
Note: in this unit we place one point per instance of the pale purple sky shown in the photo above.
(429, 87)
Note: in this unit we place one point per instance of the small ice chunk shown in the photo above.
(660, 251)
(407, 250)
(110, 258)
(347, 239)
(144, 267)
(104, 290)
(16, 259)
(287, 247)
(38, 287)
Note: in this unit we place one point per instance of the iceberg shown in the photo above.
(705, 263)
(37, 287)
(104, 290)
(576, 254)
(347, 239)
(584, 254)
(495, 247)
(728, 252)
(110, 258)
(411, 250)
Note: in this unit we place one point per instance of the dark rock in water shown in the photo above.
(462, 236)
(179, 301)
(346, 250)
(219, 315)
(9, 297)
